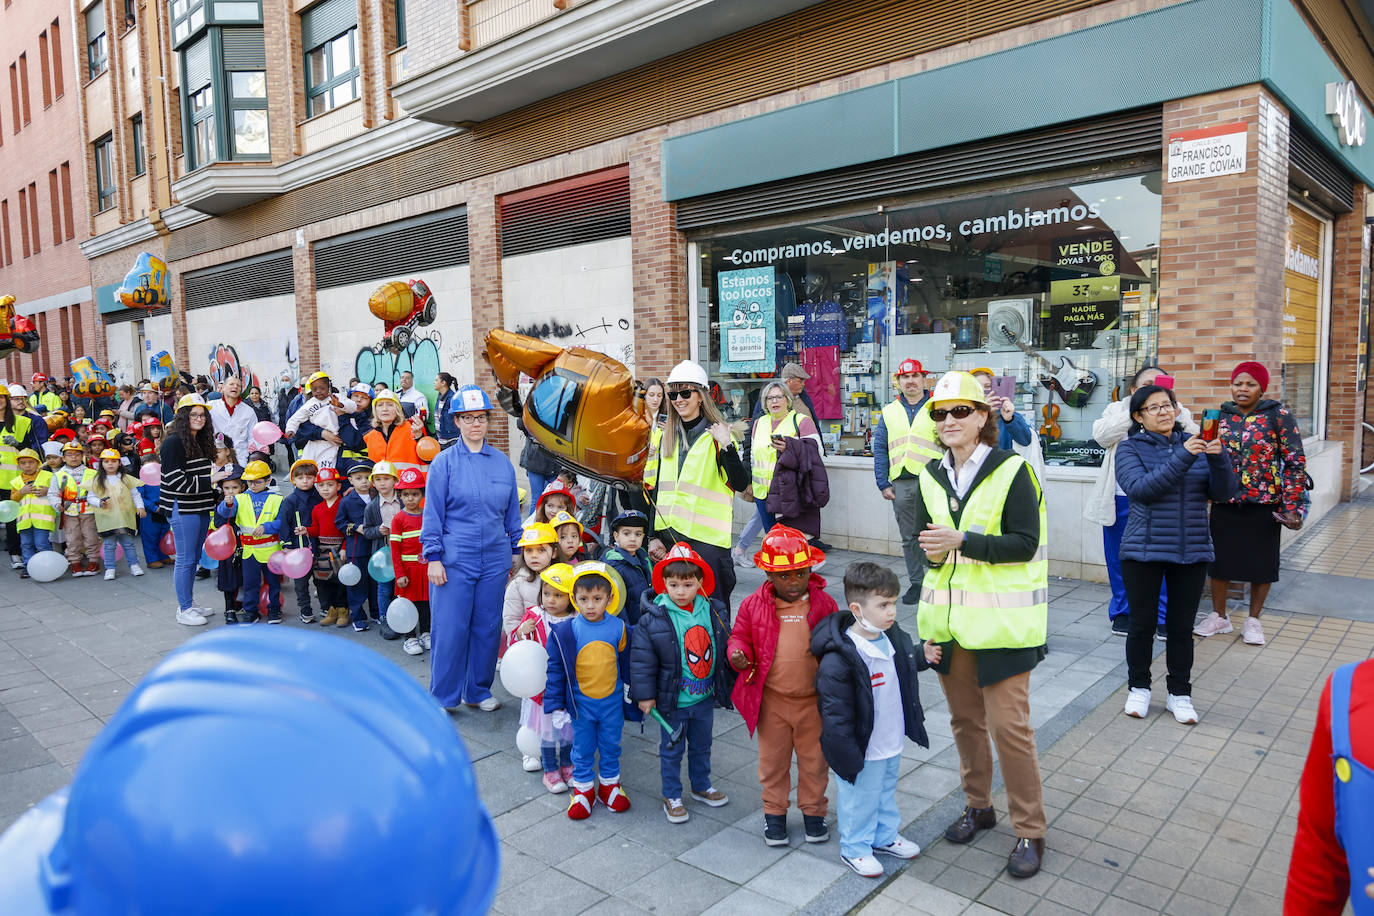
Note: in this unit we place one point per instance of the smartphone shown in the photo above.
(1211, 422)
(1164, 381)
(1004, 386)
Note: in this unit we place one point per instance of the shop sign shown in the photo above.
(1301, 286)
(1207, 152)
(746, 325)
(1091, 254)
(1086, 290)
(1343, 104)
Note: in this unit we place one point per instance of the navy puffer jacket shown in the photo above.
(656, 656)
(1169, 488)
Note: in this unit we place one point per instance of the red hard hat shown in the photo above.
(784, 549)
(37, 378)
(681, 551)
(910, 367)
(328, 474)
(411, 479)
(146, 447)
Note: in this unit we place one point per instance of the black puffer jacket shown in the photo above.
(845, 693)
(656, 656)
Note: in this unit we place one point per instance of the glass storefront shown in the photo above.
(1053, 289)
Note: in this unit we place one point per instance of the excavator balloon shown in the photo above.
(17, 333)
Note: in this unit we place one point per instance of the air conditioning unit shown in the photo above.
(1010, 321)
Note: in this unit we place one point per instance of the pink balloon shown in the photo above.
(119, 552)
(151, 474)
(274, 562)
(168, 545)
(297, 563)
(220, 545)
(265, 432)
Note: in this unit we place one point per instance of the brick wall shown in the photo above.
(1345, 405)
(659, 254)
(484, 252)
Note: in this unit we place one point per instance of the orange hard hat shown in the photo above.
(785, 549)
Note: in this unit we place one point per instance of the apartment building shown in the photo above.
(43, 190)
(1061, 191)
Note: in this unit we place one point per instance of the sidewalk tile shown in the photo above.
(797, 878)
(961, 881)
(925, 897)
(745, 902)
(1008, 899)
(611, 864)
(676, 889)
(548, 884)
(1077, 896)
(732, 854)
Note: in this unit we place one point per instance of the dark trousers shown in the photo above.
(696, 741)
(11, 531)
(302, 587)
(362, 593)
(1142, 582)
(255, 572)
(332, 593)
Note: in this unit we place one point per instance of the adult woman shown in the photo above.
(446, 428)
(1107, 504)
(984, 600)
(1265, 446)
(471, 527)
(128, 403)
(16, 433)
(1166, 540)
(653, 401)
(696, 472)
(261, 409)
(188, 497)
(392, 438)
(772, 428)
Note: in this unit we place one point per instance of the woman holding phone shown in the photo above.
(1011, 426)
(1265, 446)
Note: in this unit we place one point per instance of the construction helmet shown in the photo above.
(469, 399)
(909, 367)
(257, 470)
(597, 568)
(563, 518)
(31, 453)
(316, 377)
(190, 400)
(384, 469)
(957, 386)
(785, 549)
(560, 576)
(111, 453)
(324, 475)
(681, 551)
(411, 479)
(301, 464)
(73, 446)
(688, 373)
(537, 533)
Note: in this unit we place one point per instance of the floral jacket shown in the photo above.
(1266, 449)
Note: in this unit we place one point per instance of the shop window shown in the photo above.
(97, 53)
(104, 174)
(1306, 314)
(1053, 289)
(136, 144)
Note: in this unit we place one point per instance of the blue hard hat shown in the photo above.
(262, 772)
(469, 398)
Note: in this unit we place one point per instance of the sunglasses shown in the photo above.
(961, 412)
(681, 393)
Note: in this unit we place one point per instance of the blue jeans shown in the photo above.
(385, 592)
(555, 756)
(868, 814)
(761, 520)
(696, 741)
(32, 541)
(1111, 547)
(597, 728)
(189, 530)
(123, 539)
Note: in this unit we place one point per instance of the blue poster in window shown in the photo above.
(746, 320)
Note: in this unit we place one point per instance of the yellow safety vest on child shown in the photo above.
(9, 454)
(259, 547)
(72, 486)
(34, 509)
(762, 456)
(909, 444)
(694, 500)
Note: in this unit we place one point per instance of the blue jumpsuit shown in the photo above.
(586, 677)
(471, 525)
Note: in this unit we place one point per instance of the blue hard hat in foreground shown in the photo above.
(262, 771)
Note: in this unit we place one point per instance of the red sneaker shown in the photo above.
(580, 805)
(613, 796)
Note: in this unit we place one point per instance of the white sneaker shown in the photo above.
(1182, 708)
(531, 764)
(16, 562)
(109, 575)
(189, 617)
(424, 641)
(1138, 702)
(1213, 625)
(868, 866)
(1252, 632)
(135, 569)
(412, 646)
(490, 704)
(900, 848)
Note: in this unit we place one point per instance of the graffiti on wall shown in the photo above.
(599, 334)
(225, 363)
(375, 365)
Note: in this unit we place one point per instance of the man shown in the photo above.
(411, 395)
(903, 441)
(1012, 427)
(19, 400)
(233, 419)
(153, 405)
(45, 399)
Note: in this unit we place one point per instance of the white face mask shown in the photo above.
(864, 624)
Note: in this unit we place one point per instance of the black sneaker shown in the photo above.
(230, 618)
(248, 616)
(307, 618)
(1161, 633)
(274, 616)
(913, 594)
(820, 545)
(816, 831)
(1121, 624)
(388, 633)
(202, 573)
(775, 829)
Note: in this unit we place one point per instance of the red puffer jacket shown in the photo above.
(755, 633)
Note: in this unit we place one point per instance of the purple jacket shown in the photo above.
(800, 487)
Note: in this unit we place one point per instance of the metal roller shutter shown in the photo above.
(584, 209)
(1312, 169)
(197, 58)
(327, 20)
(124, 315)
(393, 250)
(1118, 136)
(252, 278)
(242, 49)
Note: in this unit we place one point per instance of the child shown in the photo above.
(229, 572)
(556, 498)
(555, 745)
(677, 664)
(152, 430)
(412, 573)
(67, 494)
(296, 509)
(224, 459)
(377, 518)
(328, 544)
(537, 544)
(571, 549)
(153, 528)
(587, 676)
(629, 558)
(322, 409)
(52, 462)
(118, 507)
(52, 455)
(95, 444)
(352, 510)
(776, 694)
(868, 694)
(256, 516)
(37, 518)
(569, 482)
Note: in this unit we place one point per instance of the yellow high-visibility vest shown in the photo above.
(259, 547)
(34, 510)
(73, 484)
(977, 604)
(909, 444)
(694, 501)
(9, 454)
(763, 458)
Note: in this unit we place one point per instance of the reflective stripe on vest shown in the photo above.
(9, 454)
(651, 463)
(261, 547)
(34, 510)
(763, 457)
(74, 483)
(909, 445)
(956, 596)
(695, 502)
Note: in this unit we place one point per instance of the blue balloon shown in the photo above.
(379, 566)
(207, 561)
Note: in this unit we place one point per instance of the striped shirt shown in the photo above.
(186, 485)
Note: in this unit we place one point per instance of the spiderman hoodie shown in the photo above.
(677, 655)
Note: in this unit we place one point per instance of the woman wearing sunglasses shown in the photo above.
(985, 603)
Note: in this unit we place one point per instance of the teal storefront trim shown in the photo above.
(107, 299)
(1187, 49)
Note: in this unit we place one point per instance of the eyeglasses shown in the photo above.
(961, 412)
(681, 393)
(775, 397)
(1153, 409)
(473, 418)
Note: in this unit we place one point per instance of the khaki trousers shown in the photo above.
(788, 725)
(1003, 709)
(82, 539)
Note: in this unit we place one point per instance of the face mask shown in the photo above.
(864, 624)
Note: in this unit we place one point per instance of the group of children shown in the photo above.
(626, 639)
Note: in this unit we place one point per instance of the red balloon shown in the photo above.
(220, 544)
(427, 448)
(168, 545)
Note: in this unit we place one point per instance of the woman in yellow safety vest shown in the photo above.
(985, 602)
(16, 433)
(696, 472)
(780, 420)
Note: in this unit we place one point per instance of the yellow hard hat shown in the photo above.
(73, 446)
(598, 568)
(957, 386)
(110, 453)
(538, 533)
(190, 400)
(256, 470)
(560, 576)
(303, 462)
(563, 518)
(316, 377)
(28, 453)
(384, 469)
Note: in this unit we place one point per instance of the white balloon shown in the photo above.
(47, 566)
(527, 739)
(402, 615)
(350, 574)
(524, 668)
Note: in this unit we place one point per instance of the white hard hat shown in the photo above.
(688, 373)
(958, 386)
(17, 391)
